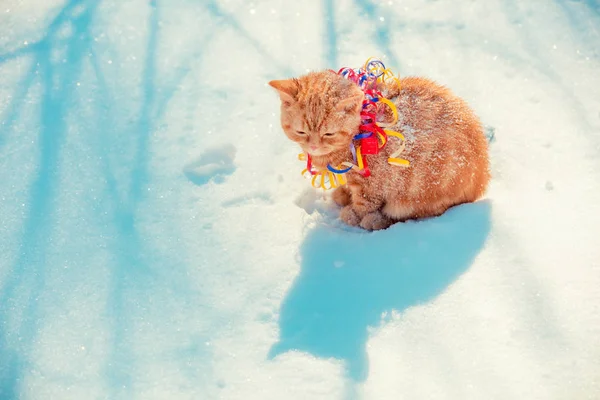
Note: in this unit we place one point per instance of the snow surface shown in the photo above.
(158, 241)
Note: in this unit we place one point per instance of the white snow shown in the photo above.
(158, 242)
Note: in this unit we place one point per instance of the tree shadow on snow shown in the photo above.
(135, 271)
(348, 279)
(25, 279)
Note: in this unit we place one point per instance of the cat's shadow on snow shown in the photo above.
(348, 279)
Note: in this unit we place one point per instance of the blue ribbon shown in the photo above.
(363, 135)
(338, 171)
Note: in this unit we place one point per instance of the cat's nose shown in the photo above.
(313, 147)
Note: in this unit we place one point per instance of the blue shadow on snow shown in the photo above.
(348, 280)
(26, 278)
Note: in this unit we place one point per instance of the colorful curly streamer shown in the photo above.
(372, 73)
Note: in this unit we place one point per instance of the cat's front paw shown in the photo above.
(375, 221)
(348, 215)
(341, 196)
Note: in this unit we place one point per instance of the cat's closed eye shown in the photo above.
(301, 132)
(329, 134)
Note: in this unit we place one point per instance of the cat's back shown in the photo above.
(446, 148)
(425, 106)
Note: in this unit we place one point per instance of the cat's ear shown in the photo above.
(350, 104)
(287, 89)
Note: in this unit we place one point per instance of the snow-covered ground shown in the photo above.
(158, 242)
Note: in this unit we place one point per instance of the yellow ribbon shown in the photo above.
(394, 160)
(392, 107)
(383, 75)
(325, 179)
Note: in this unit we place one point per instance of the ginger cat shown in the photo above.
(445, 145)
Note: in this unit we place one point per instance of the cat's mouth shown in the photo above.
(318, 152)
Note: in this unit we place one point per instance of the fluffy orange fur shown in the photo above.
(445, 145)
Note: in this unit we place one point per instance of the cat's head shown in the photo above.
(320, 111)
